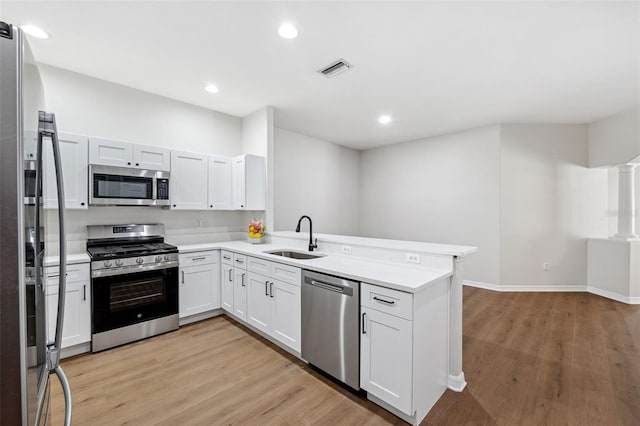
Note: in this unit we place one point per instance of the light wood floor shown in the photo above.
(530, 358)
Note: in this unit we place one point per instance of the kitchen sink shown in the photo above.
(295, 254)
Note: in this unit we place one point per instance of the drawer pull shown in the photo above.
(388, 302)
(239, 260)
(226, 257)
(198, 258)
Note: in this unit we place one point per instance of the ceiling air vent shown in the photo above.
(335, 68)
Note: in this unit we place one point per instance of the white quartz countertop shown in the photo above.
(415, 246)
(71, 259)
(391, 275)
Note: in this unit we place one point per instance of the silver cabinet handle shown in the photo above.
(182, 277)
(226, 257)
(198, 258)
(271, 289)
(230, 279)
(242, 280)
(388, 302)
(84, 292)
(239, 260)
(364, 320)
(266, 288)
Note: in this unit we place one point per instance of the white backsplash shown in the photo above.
(180, 226)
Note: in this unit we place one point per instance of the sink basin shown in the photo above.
(295, 254)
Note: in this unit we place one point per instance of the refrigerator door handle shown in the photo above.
(47, 128)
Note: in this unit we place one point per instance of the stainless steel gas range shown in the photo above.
(134, 279)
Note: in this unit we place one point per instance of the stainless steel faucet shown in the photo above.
(311, 243)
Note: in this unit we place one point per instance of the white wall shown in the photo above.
(442, 189)
(95, 107)
(615, 140)
(550, 204)
(89, 106)
(316, 178)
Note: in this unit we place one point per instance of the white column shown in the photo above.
(626, 201)
(456, 375)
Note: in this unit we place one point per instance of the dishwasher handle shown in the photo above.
(332, 287)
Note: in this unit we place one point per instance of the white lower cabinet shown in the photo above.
(77, 308)
(273, 305)
(240, 293)
(402, 364)
(386, 358)
(199, 283)
(226, 288)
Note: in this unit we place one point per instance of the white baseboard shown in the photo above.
(615, 296)
(457, 383)
(559, 288)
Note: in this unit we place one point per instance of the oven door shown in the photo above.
(133, 297)
(121, 186)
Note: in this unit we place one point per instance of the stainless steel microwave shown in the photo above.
(122, 186)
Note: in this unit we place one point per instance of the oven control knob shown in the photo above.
(119, 262)
(158, 258)
(166, 257)
(139, 260)
(107, 264)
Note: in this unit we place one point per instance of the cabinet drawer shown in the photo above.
(199, 258)
(286, 273)
(386, 300)
(259, 266)
(75, 273)
(240, 261)
(226, 257)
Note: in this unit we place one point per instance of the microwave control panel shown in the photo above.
(163, 189)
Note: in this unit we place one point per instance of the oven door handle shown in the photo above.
(133, 269)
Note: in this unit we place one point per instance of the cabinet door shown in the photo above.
(386, 354)
(188, 180)
(258, 301)
(77, 312)
(110, 153)
(199, 289)
(240, 294)
(239, 185)
(285, 314)
(75, 172)
(226, 288)
(220, 183)
(151, 158)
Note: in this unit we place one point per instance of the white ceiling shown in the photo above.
(434, 67)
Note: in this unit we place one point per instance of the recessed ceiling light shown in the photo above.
(34, 31)
(288, 31)
(211, 88)
(384, 119)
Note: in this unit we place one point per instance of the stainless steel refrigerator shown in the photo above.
(27, 359)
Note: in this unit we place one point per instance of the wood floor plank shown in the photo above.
(529, 359)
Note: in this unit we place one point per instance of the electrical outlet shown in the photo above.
(546, 266)
(413, 258)
(346, 249)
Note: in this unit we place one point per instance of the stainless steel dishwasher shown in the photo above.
(331, 326)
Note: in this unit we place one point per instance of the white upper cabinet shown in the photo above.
(110, 153)
(75, 172)
(124, 154)
(249, 182)
(188, 183)
(220, 194)
(151, 158)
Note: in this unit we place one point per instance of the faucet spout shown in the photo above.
(311, 244)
